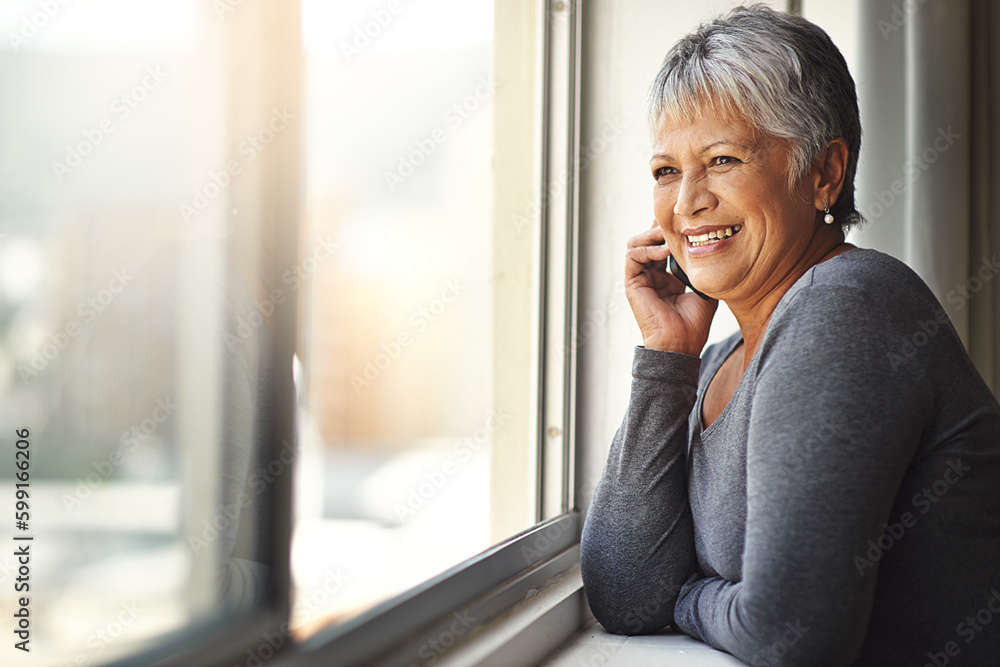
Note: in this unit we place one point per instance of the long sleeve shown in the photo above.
(637, 548)
(836, 421)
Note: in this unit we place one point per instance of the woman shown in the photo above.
(823, 488)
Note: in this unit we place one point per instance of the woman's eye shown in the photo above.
(725, 159)
(664, 171)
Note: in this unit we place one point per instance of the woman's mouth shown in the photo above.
(713, 236)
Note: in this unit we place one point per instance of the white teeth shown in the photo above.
(713, 236)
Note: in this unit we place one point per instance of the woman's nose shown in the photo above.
(693, 197)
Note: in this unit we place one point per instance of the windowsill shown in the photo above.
(621, 651)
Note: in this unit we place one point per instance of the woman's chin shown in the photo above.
(717, 284)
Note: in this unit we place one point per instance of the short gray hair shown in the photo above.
(777, 72)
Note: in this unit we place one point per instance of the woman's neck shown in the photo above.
(753, 317)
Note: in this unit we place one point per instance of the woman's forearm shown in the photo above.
(638, 539)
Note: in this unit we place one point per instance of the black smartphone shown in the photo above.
(678, 272)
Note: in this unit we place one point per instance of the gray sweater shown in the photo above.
(844, 508)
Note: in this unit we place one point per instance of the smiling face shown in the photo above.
(723, 202)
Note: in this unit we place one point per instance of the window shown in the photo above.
(396, 308)
(433, 363)
(279, 356)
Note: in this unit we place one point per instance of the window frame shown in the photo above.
(490, 583)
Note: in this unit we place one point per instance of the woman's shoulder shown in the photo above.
(867, 269)
(870, 283)
(861, 302)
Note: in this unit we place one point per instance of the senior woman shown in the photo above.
(823, 488)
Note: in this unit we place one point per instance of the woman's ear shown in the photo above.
(829, 170)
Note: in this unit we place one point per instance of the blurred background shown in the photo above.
(135, 339)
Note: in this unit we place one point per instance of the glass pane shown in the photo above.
(119, 280)
(396, 405)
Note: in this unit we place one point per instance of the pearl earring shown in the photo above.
(828, 218)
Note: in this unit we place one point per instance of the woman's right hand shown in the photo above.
(669, 318)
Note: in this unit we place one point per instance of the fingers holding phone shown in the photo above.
(646, 259)
(668, 318)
